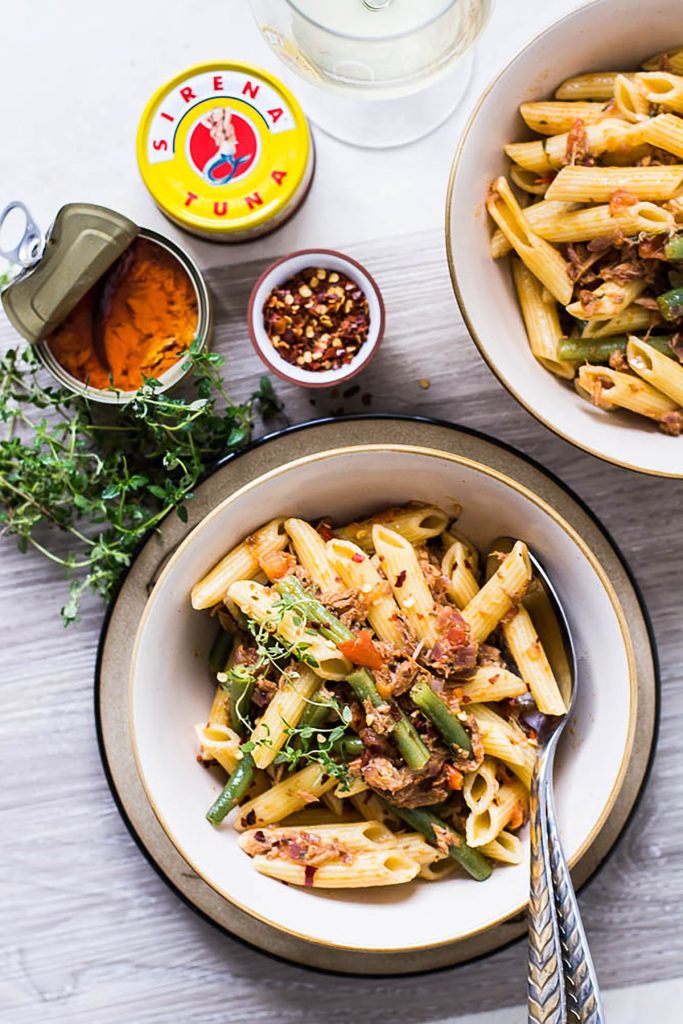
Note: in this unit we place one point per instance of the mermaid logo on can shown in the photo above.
(222, 146)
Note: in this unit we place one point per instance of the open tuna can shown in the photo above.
(105, 303)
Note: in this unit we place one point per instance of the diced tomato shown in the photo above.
(357, 557)
(362, 650)
(453, 777)
(454, 627)
(277, 564)
(457, 634)
(620, 200)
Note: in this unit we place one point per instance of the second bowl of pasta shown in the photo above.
(564, 229)
(342, 695)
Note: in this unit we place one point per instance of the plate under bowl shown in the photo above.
(604, 35)
(116, 656)
(170, 691)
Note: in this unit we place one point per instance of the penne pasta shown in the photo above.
(656, 369)
(541, 319)
(380, 867)
(415, 846)
(538, 255)
(509, 804)
(559, 222)
(608, 388)
(219, 743)
(457, 567)
(499, 593)
(311, 552)
(552, 116)
(506, 848)
(219, 710)
(671, 60)
(666, 132)
(417, 523)
(402, 569)
(356, 570)
(529, 181)
(540, 217)
(598, 184)
(530, 156)
(532, 662)
(295, 691)
(481, 786)
(505, 741)
(610, 134)
(596, 85)
(630, 99)
(438, 869)
(491, 683)
(280, 801)
(239, 564)
(608, 300)
(633, 318)
(263, 606)
(662, 87)
(359, 836)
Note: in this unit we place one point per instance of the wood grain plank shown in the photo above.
(90, 933)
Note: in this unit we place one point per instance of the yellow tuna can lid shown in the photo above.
(225, 150)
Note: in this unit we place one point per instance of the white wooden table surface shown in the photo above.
(89, 933)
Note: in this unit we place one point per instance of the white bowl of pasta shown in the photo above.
(566, 187)
(357, 669)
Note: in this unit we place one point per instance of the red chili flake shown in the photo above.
(260, 836)
(357, 557)
(250, 818)
(309, 875)
(318, 320)
(400, 579)
(325, 530)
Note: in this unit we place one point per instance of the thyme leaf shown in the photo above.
(83, 489)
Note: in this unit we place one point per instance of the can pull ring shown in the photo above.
(29, 249)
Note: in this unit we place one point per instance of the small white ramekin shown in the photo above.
(279, 272)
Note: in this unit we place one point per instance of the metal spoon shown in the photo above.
(562, 985)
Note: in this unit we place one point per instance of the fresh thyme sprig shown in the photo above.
(305, 743)
(103, 483)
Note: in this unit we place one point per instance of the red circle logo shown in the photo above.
(222, 146)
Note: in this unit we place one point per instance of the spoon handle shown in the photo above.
(545, 983)
(582, 991)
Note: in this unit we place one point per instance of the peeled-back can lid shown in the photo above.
(81, 245)
(224, 148)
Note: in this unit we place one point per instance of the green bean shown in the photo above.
(424, 820)
(235, 788)
(598, 350)
(412, 749)
(220, 652)
(671, 304)
(673, 250)
(435, 709)
(317, 710)
(240, 688)
(335, 630)
(348, 747)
